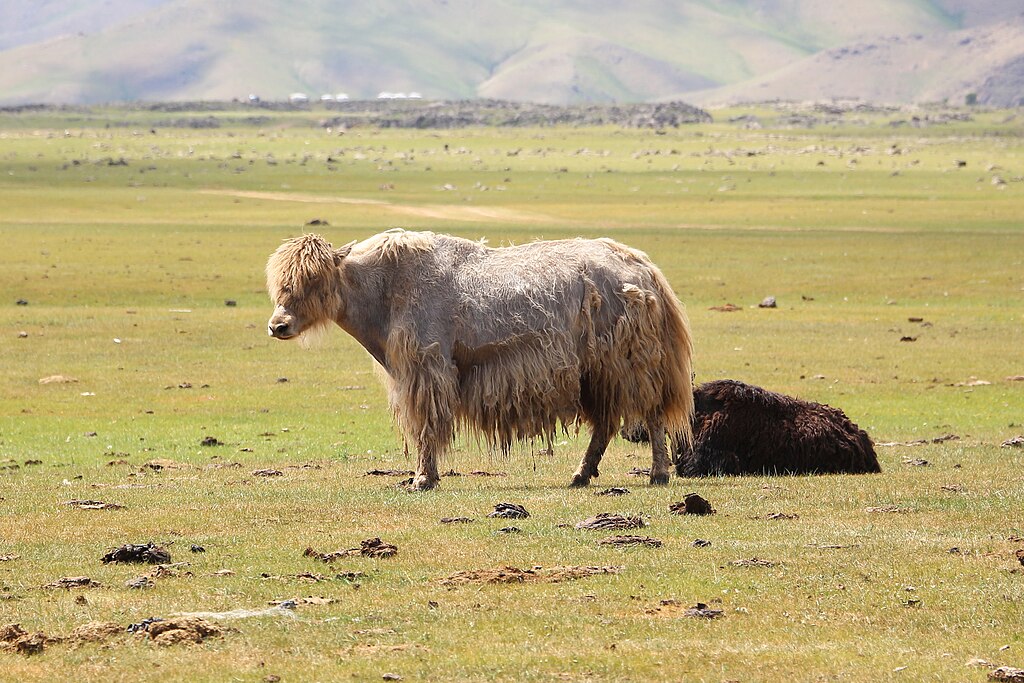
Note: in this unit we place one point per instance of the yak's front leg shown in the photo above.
(601, 435)
(660, 470)
(426, 476)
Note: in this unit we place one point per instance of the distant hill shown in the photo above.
(552, 51)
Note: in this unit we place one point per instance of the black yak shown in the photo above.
(743, 429)
(508, 342)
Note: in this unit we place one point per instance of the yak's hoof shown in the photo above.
(579, 481)
(422, 483)
(659, 479)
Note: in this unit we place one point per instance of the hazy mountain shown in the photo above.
(85, 51)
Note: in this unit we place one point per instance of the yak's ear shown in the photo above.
(341, 252)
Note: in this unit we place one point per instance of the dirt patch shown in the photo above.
(456, 520)
(267, 473)
(692, 504)
(630, 541)
(916, 462)
(389, 473)
(779, 516)
(309, 600)
(69, 582)
(58, 379)
(611, 520)
(613, 491)
(885, 509)
(16, 639)
(182, 630)
(160, 464)
(725, 308)
(671, 607)
(509, 511)
(920, 442)
(95, 632)
(752, 562)
(138, 553)
(371, 547)
(93, 505)
(516, 575)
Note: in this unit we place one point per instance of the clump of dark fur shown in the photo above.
(743, 429)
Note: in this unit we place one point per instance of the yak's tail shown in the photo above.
(677, 369)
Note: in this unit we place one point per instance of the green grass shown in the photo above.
(147, 254)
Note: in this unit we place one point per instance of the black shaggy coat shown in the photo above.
(743, 429)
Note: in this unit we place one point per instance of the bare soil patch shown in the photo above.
(93, 505)
(177, 630)
(534, 575)
(371, 547)
(627, 541)
(612, 520)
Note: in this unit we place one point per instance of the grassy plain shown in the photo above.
(126, 241)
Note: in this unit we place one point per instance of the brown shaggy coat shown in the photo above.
(509, 343)
(743, 429)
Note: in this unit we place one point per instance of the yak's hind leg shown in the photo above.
(599, 438)
(660, 470)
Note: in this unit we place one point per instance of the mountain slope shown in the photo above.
(986, 61)
(86, 51)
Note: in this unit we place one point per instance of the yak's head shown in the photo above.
(304, 283)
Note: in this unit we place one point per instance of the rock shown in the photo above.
(768, 302)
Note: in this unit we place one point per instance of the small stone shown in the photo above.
(768, 302)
